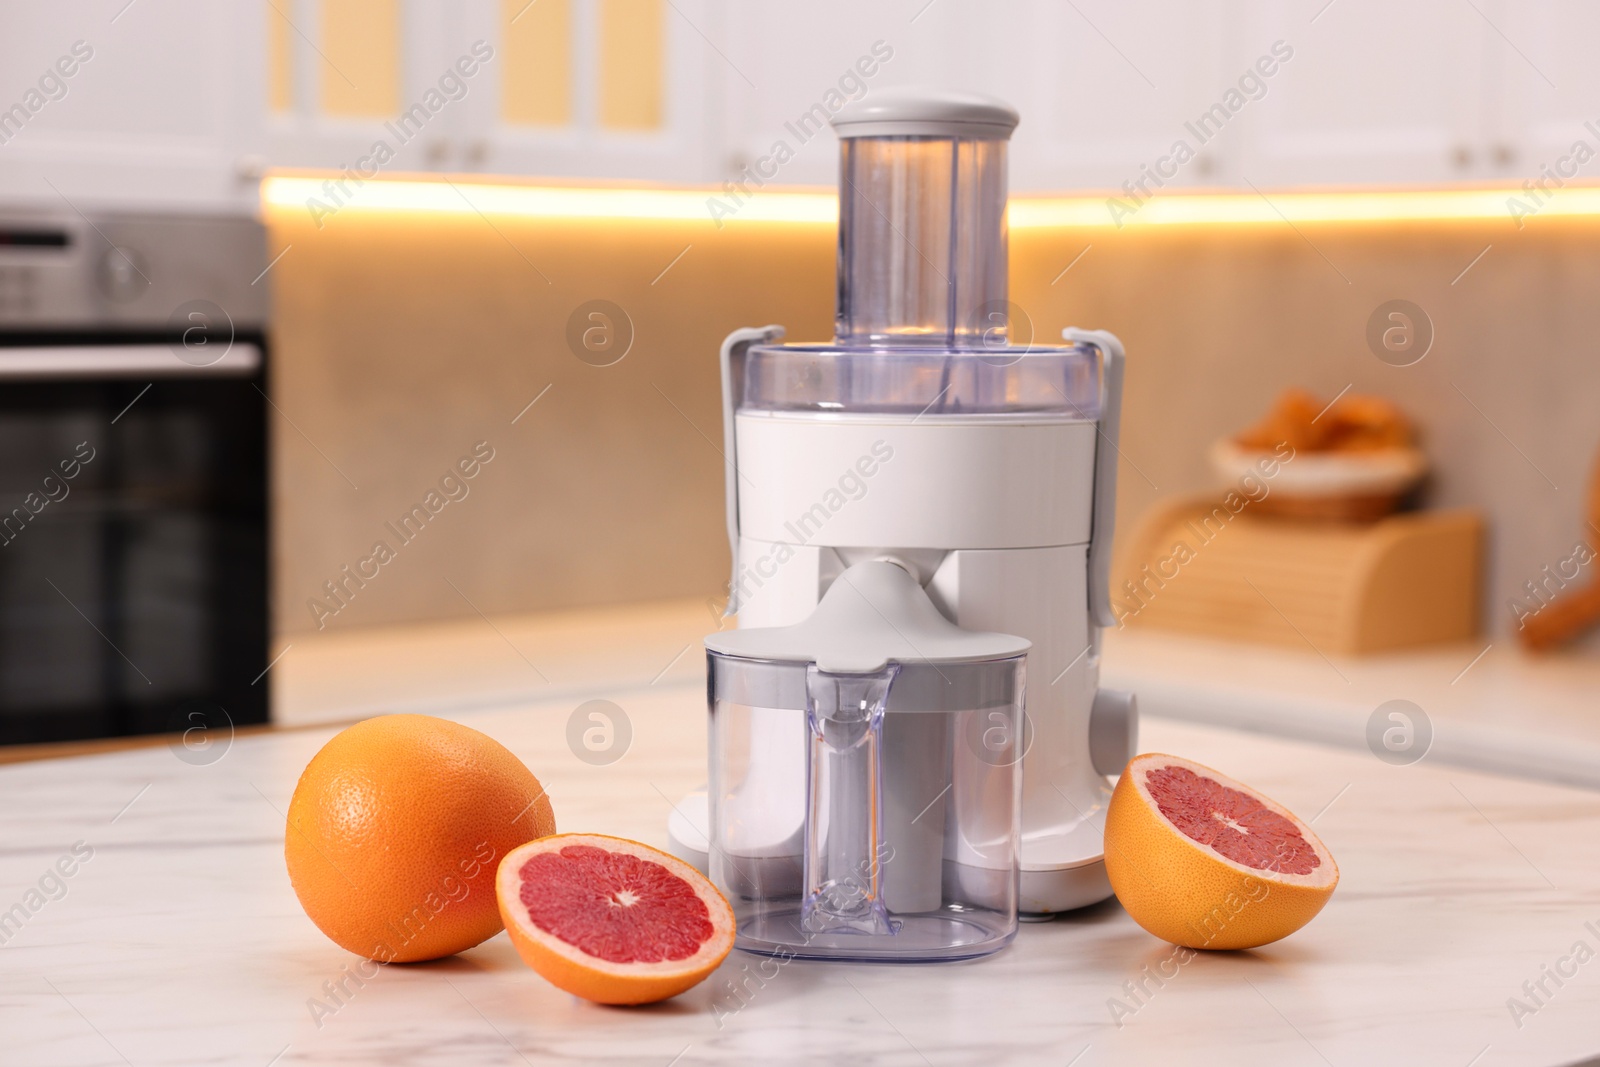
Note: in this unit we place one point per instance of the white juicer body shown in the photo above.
(1005, 521)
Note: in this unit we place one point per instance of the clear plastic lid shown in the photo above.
(923, 325)
(1061, 381)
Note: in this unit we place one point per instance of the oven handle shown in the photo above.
(55, 362)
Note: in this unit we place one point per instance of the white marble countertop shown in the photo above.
(180, 942)
(482, 662)
(1490, 705)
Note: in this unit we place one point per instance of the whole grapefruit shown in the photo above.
(1203, 861)
(395, 832)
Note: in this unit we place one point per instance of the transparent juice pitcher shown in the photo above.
(899, 841)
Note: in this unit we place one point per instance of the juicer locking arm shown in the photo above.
(732, 360)
(1104, 517)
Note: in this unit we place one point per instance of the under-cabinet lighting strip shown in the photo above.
(322, 196)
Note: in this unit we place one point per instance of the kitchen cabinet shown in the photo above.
(1119, 81)
(1427, 92)
(112, 102)
(1549, 92)
(567, 88)
(1375, 92)
(655, 123)
(1261, 93)
(1102, 86)
(182, 103)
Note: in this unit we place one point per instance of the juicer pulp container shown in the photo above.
(865, 778)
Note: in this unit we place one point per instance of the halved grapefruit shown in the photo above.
(611, 920)
(1202, 861)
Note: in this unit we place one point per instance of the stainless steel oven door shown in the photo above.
(133, 527)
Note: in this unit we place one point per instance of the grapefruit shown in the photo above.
(611, 920)
(1202, 861)
(395, 831)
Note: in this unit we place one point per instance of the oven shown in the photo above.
(133, 474)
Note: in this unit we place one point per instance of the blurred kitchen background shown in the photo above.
(450, 192)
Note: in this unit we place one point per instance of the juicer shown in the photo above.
(979, 467)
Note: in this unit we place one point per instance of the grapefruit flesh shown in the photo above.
(396, 829)
(611, 920)
(1203, 861)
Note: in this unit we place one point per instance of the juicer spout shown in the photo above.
(844, 826)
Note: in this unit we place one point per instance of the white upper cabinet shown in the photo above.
(1103, 85)
(1376, 91)
(1153, 94)
(180, 103)
(565, 88)
(1547, 96)
(780, 61)
(1111, 85)
(153, 102)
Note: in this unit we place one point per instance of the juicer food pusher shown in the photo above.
(923, 435)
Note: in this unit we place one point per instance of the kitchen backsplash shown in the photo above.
(440, 448)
